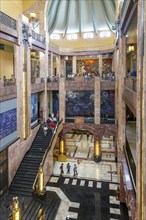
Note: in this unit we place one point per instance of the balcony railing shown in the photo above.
(38, 37)
(7, 20)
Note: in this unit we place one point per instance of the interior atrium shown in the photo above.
(72, 109)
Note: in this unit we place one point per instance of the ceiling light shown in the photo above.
(72, 36)
(32, 15)
(55, 36)
(105, 34)
(131, 48)
(88, 35)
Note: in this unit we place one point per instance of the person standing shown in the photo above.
(61, 169)
(75, 170)
(68, 168)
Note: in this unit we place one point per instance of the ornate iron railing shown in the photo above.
(38, 37)
(7, 20)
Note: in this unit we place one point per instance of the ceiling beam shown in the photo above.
(79, 16)
(55, 17)
(93, 16)
(67, 17)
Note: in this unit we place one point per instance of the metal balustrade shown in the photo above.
(38, 37)
(7, 20)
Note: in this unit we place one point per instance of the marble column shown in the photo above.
(23, 75)
(74, 64)
(62, 66)
(62, 97)
(97, 100)
(141, 112)
(100, 64)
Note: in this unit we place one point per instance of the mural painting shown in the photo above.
(55, 102)
(87, 67)
(80, 103)
(107, 104)
(34, 107)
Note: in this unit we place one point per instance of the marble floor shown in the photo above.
(91, 195)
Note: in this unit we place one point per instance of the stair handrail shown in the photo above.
(45, 154)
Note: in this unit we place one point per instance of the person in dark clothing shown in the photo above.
(61, 169)
(68, 168)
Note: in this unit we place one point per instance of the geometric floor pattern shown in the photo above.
(92, 200)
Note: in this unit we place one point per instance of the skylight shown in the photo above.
(55, 36)
(105, 34)
(72, 36)
(88, 35)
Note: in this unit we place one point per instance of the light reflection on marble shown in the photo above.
(113, 186)
(114, 219)
(66, 181)
(82, 182)
(90, 184)
(74, 182)
(86, 169)
(54, 179)
(108, 156)
(91, 154)
(112, 200)
(115, 211)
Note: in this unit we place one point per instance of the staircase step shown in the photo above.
(26, 174)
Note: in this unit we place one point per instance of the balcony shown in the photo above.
(8, 90)
(8, 26)
(130, 83)
(129, 97)
(37, 84)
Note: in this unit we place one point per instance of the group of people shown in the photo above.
(51, 123)
(68, 167)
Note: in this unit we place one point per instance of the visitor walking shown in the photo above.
(45, 130)
(75, 170)
(68, 168)
(61, 169)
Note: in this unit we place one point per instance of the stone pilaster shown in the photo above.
(62, 69)
(18, 70)
(97, 100)
(42, 64)
(144, 114)
(100, 64)
(116, 69)
(62, 97)
(141, 112)
(58, 65)
(74, 64)
(44, 74)
(121, 104)
(51, 64)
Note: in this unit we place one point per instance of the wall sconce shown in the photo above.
(131, 48)
(32, 16)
